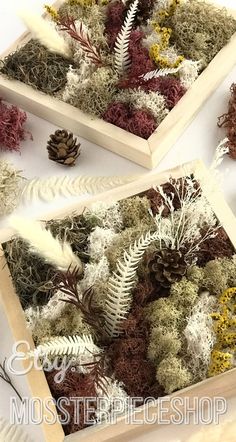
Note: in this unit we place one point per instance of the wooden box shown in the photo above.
(220, 386)
(147, 153)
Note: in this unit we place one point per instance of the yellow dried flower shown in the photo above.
(227, 295)
(224, 326)
(164, 13)
(84, 3)
(156, 49)
(220, 362)
(52, 12)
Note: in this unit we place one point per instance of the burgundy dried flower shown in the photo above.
(12, 132)
(170, 87)
(138, 122)
(139, 55)
(115, 19)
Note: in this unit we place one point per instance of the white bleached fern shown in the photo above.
(12, 433)
(160, 73)
(122, 58)
(121, 283)
(66, 346)
(42, 242)
(220, 152)
(45, 33)
(47, 189)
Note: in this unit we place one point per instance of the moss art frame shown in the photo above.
(223, 385)
(147, 153)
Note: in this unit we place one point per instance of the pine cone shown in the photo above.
(63, 148)
(167, 266)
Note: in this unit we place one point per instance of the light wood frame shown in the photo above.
(147, 153)
(223, 385)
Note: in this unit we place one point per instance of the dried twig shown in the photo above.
(68, 284)
(6, 378)
(68, 25)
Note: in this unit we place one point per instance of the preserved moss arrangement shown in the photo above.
(138, 296)
(127, 62)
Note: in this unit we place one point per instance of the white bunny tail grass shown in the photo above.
(50, 188)
(12, 433)
(42, 242)
(45, 33)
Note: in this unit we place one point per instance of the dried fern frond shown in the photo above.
(45, 33)
(49, 188)
(66, 346)
(121, 283)
(122, 58)
(79, 34)
(160, 73)
(42, 242)
(12, 433)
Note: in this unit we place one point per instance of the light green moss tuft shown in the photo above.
(184, 293)
(172, 374)
(162, 344)
(93, 95)
(162, 313)
(135, 210)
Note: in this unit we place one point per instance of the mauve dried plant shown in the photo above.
(12, 130)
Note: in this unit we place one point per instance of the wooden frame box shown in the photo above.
(147, 153)
(223, 385)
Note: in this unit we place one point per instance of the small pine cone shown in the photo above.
(167, 266)
(63, 148)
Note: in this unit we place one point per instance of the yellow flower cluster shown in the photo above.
(220, 362)
(164, 13)
(84, 3)
(225, 329)
(156, 49)
(52, 12)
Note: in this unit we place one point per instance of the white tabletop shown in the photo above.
(198, 141)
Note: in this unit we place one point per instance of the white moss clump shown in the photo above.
(99, 240)
(188, 72)
(108, 214)
(95, 273)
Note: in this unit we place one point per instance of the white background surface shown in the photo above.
(198, 141)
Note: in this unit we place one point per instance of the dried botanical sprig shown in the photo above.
(6, 378)
(79, 34)
(121, 50)
(160, 73)
(97, 374)
(68, 284)
(66, 346)
(42, 242)
(221, 150)
(45, 33)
